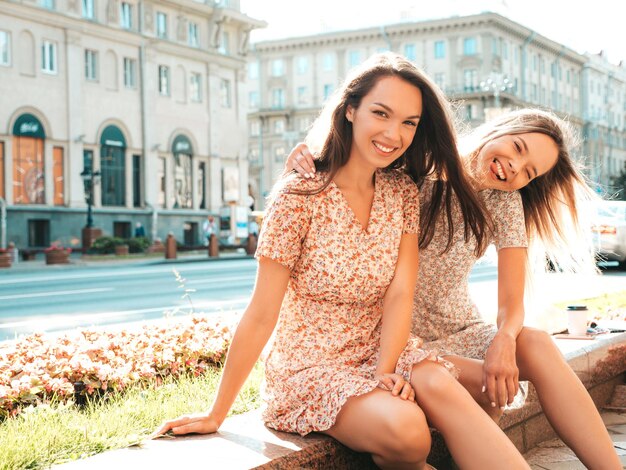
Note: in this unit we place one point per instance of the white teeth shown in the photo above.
(384, 149)
(500, 170)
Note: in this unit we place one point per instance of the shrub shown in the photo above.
(39, 369)
(138, 244)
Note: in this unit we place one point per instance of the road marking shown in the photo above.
(56, 292)
(118, 272)
(41, 322)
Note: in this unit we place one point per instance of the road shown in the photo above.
(54, 300)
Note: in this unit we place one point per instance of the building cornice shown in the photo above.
(445, 25)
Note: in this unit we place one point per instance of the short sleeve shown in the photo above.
(507, 212)
(410, 201)
(285, 225)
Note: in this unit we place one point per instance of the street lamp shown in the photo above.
(496, 83)
(90, 179)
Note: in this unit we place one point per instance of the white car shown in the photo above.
(609, 231)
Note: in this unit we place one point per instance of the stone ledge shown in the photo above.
(243, 442)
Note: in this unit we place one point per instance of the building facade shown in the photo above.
(147, 93)
(483, 63)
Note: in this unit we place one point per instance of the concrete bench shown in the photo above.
(243, 442)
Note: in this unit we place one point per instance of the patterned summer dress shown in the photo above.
(444, 315)
(327, 340)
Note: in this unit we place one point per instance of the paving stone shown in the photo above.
(573, 465)
(617, 429)
(544, 456)
(611, 417)
(537, 430)
(618, 400)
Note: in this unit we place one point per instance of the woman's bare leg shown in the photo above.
(393, 430)
(564, 400)
(474, 440)
(471, 377)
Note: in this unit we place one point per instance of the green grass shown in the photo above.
(45, 435)
(607, 306)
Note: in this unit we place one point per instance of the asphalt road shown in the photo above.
(54, 300)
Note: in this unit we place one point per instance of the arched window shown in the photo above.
(28, 174)
(182, 150)
(113, 166)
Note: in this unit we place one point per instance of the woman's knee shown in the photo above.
(431, 380)
(407, 438)
(533, 343)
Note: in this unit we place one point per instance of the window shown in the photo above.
(469, 46)
(182, 181)
(328, 62)
(303, 124)
(88, 9)
(161, 25)
(440, 80)
(49, 4)
(58, 176)
(279, 154)
(49, 57)
(2, 192)
(192, 35)
(5, 48)
(161, 179)
(255, 128)
(470, 80)
(302, 95)
(38, 232)
(533, 92)
(126, 15)
(130, 73)
(354, 58)
(225, 94)
(328, 90)
(534, 63)
(113, 180)
(195, 85)
(302, 65)
(470, 112)
(440, 49)
(28, 170)
(202, 184)
(278, 98)
(253, 70)
(164, 80)
(279, 126)
(410, 51)
(505, 50)
(278, 68)
(225, 44)
(91, 65)
(253, 99)
(553, 70)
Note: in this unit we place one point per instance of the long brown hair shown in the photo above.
(551, 201)
(432, 153)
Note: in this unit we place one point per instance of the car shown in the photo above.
(609, 231)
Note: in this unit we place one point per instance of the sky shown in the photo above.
(584, 26)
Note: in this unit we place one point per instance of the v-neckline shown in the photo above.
(365, 229)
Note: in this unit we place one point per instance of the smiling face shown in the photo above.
(510, 162)
(384, 124)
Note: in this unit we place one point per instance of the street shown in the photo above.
(55, 300)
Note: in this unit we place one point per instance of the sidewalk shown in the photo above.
(77, 260)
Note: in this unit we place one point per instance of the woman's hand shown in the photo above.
(301, 160)
(193, 424)
(500, 372)
(396, 384)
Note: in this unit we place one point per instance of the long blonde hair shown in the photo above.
(556, 203)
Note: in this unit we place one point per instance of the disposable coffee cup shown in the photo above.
(577, 320)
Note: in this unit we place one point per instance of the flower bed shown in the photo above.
(39, 368)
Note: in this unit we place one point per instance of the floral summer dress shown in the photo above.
(327, 340)
(444, 315)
